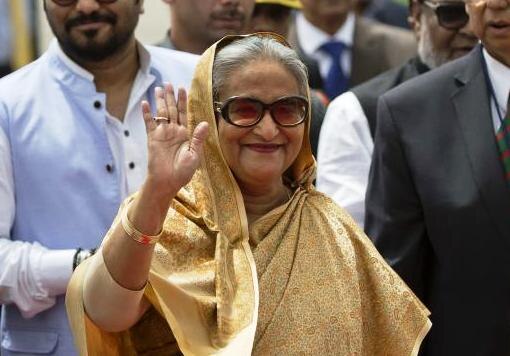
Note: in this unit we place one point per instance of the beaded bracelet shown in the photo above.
(136, 235)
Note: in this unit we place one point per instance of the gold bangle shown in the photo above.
(136, 235)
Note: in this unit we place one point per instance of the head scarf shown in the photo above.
(302, 278)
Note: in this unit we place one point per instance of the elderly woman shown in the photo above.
(228, 248)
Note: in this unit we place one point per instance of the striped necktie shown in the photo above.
(503, 140)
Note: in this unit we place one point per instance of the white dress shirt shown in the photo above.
(46, 272)
(311, 39)
(499, 75)
(344, 155)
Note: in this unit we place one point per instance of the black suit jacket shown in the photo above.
(438, 207)
(369, 92)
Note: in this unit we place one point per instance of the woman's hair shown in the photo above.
(240, 52)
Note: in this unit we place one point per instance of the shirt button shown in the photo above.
(97, 104)
(109, 168)
(126, 133)
(131, 165)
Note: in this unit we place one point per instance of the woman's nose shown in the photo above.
(267, 128)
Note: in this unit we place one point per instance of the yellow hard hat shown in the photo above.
(294, 4)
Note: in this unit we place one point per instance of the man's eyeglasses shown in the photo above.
(72, 2)
(246, 112)
(450, 15)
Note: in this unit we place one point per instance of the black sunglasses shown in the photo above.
(450, 15)
(246, 112)
(71, 2)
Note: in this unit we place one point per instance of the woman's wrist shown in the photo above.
(158, 190)
(148, 212)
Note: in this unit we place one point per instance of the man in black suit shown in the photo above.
(438, 200)
(346, 140)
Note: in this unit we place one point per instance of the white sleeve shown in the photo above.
(31, 275)
(344, 155)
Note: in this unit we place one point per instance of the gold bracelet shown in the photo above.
(136, 235)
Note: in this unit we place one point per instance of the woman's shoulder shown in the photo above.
(322, 204)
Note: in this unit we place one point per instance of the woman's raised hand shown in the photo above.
(173, 156)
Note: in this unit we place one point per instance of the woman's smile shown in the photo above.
(264, 147)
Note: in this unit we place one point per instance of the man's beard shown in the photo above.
(90, 49)
(426, 51)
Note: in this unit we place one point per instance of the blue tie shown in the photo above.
(335, 82)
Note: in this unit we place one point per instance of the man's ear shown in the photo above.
(414, 19)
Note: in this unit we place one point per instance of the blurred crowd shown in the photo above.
(409, 130)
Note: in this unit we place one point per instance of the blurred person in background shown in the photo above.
(16, 34)
(276, 16)
(341, 49)
(197, 24)
(346, 143)
(273, 16)
(72, 147)
(5, 39)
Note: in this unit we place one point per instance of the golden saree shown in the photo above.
(303, 279)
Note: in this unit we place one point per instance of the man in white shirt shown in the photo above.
(72, 147)
(197, 24)
(346, 140)
(438, 198)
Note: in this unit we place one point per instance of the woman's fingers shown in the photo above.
(150, 124)
(171, 104)
(167, 107)
(161, 104)
(182, 102)
(197, 140)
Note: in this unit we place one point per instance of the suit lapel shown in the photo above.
(472, 106)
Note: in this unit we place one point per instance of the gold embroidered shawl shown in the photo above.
(305, 274)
